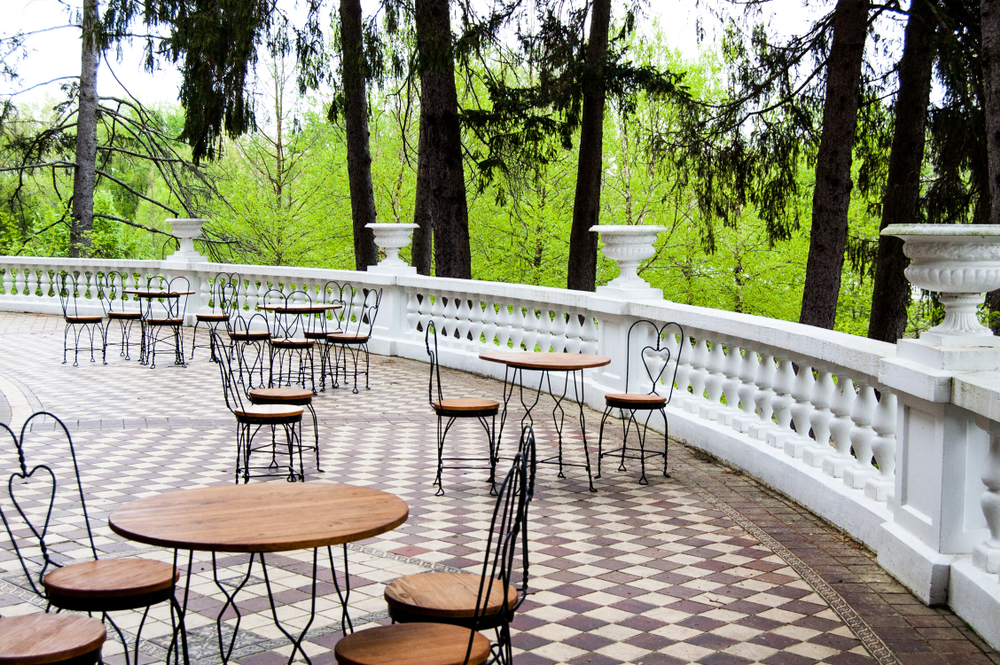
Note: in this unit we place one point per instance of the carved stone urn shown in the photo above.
(186, 229)
(628, 245)
(961, 262)
(391, 238)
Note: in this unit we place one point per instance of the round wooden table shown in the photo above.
(259, 519)
(572, 366)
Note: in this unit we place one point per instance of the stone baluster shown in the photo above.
(517, 327)
(747, 391)
(20, 282)
(856, 474)
(558, 331)
(840, 427)
(763, 398)
(784, 382)
(713, 382)
(802, 391)
(699, 373)
(731, 384)
(574, 333)
(880, 487)
(986, 555)
(819, 419)
(412, 312)
(503, 326)
(543, 327)
(684, 353)
(8, 280)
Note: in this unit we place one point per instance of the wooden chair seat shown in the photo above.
(273, 395)
(467, 405)
(212, 316)
(110, 584)
(275, 412)
(253, 335)
(165, 322)
(84, 320)
(135, 316)
(286, 343)
(346, 338)
(635, 401)
(445, 596)
(412, 644)
(38, 639)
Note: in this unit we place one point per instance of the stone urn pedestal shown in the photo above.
(185, 229)
(628, 245)
(391, 238)
(962, 263)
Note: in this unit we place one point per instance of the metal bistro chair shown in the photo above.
(110, 288)
(331, 293)
(448, 410)
(51, 639)
(163, 319)
(453, 598)
(251, 417)
(248, 338)
(288, 341)
(225, 294)
(41, 516)
(70, 295)
(454, 642)
(656, 358)
(357, 324)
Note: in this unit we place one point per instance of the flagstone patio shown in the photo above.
(706, 566)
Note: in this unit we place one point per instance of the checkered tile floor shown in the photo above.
(666, 573)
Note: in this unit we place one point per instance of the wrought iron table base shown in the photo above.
(226, 651)
(514, 376)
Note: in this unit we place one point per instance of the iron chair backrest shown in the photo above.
(226, 292)
(36, 510)
(656, 355)
(432, 353)
(287, 326)
(73, 287)
(160, 309)
(111, 290)
(508, 524)
(361, 308)
(526, 450)
(234, 387)
(333, 293)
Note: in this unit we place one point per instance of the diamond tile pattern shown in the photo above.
(656, 574)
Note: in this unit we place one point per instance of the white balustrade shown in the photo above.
(827, 418)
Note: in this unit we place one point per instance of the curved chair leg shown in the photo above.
(316, 432)
(666, 442)
(442, 433)
(600, 439)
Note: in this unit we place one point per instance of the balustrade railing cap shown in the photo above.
(943, 230)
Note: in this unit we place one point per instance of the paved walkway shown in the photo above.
(706, 566)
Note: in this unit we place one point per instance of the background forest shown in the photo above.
(738, 229)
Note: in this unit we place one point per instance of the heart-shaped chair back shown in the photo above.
(38, 511)
(660, 348)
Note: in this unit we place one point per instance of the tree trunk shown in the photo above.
(84, 175)
(832, 195)
(582, 268)
(891, 291)
(422, 245)
(359, 157)
(990, 16)
(440, 197)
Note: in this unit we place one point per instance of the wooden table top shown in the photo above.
(546, 361)
(262, 517)
(35, 639)
(300, 309)
(156, 293)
